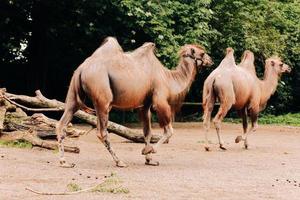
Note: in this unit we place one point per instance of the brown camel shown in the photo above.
(113, 78)
(238, 87)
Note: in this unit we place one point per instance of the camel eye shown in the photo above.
(281, 65)
(202, 54)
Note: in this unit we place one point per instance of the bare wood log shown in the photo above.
(2, 109)
(42, 125)
(33, 109)
(31, 137)
(42, 102)
(2, 117)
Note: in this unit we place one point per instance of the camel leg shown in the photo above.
(145, 116)
(168, 132)
(70, 109)
(164, 116)
(224, 108)
(206, 122)
(243, 114)
(254, 117)
(254, 124)
(102, 134)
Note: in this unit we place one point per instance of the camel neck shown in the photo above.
(268, 85)
(180, 79)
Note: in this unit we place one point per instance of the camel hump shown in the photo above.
(247, 56)
(229, 53)
(109, 45)
(148, 45)
(144, 50)
(229, 60)
(247, 61)
(110, 41)
(229, 50)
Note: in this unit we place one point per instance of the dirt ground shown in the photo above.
(270, 169)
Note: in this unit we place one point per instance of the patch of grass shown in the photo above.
(73, 187)
(55, 151)
(16, 144)
(112, 184)
(292, 119)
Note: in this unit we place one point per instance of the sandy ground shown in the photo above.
(186, 171)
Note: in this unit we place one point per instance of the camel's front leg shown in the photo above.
(243, 114)
(254, 118)
(168, 132)
(145, 116)
(163, 111)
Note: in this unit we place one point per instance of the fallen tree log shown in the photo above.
(42, 125)
(15, 125)
(31, 137)
(39, 101)
(2, 109)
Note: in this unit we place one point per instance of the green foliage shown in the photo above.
(16, 144)
(265, 27)
(170, 24)
(46, 40)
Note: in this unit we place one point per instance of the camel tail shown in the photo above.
(76, 92)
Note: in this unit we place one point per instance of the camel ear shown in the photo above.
(272, 63)
(192, 51)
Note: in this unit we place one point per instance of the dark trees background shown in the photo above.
(42, 42)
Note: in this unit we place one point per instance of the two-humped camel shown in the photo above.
(113, 78)
(238, 87)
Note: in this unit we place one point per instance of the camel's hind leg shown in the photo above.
(208, 108)
(70, 109)
(224, 108)
(102, 110)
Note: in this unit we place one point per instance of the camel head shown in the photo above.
(275, 64)
(197, 54)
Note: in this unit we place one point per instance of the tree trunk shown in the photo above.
(39, 101)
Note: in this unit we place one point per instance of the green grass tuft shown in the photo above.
(73, 187)
(16, 144)
(112, 184)
(291, 119)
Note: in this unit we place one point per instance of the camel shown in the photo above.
(111, 77)
(238, 87)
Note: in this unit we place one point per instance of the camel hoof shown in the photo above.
(151, 163)
(121, 164)
(223, 148)
(167, 141)
(207, 149)
(148, 149)
(238, 139)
